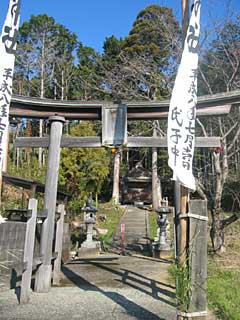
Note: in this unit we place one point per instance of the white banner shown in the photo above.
(182, 110)
(8, 43)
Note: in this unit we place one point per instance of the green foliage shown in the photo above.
(27, 171)
(113, 215)
(224, 292)
(153, 226)
(183, 289)
(83, 170)
(88, 80)
(151, 33)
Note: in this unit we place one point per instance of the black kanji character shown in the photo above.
(175, 152)
(176, 136)
(191, 128)
(175, 116)
(193, 39)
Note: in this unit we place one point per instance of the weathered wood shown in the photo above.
(183, 228)
(116, 177)
(28, 252)
(66, 142)
(12, 241)
(58, 246)
(66, 245)
(161, 142)
(198, 256)
(44, 273)
(29, 107)
(114, 125)
(42, 214)
(94, 142)
(156, 186)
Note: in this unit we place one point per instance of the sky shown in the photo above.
(94, 20)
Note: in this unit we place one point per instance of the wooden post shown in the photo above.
(156, 187)
(44, 273)
(198, 258)
(185, 19)
(183, 227)
(116, 174)
(183, 191)
(58, 246)
(28, 252)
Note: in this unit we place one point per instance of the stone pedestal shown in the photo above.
(162, 247)
(89, 248)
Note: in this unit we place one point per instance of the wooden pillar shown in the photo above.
(44, 273)
(58, 246)
(182, 254)
(116, 177)
(156, 187)
(185, 19)
(28, 252)
(198, 258)
(183, 239)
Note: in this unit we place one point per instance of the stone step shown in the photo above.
(135, 235)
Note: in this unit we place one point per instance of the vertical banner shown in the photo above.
(8, 43)
(182, 110)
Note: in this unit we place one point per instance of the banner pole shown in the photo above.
(183, 190)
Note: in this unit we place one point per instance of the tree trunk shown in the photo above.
(40, 150)
(156, 184)
(217, 229)
(62, 86)
(28, 134)
(116, 174)
(217, 232)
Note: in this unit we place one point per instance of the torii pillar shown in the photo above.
(44, 272)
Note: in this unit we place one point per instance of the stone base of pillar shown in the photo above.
(89, 249)
(161, 251)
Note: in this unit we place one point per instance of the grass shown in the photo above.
(223, 287)
(113, 215)
(152, 219)
(224, 277)
(224, 292)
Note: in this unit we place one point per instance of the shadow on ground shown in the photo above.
(131, 308)
(158, 290)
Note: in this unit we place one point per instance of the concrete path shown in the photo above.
(136, 229)
(108, 287)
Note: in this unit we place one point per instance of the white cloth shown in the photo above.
(182, 110)
(8, 42)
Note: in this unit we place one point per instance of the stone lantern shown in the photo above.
(162, 246)
(89, 248)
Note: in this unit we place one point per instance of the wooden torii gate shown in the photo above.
(114, 133)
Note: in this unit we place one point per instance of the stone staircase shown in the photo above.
(136, 230)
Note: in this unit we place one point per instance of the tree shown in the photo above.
(64, 68)
(219, 70)
(88, 82)
(83, 170)
(147, 57)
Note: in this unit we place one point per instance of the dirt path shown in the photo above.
(108, 287)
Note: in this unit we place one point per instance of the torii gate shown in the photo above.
(114, 133)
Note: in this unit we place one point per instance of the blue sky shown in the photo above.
(94, 20)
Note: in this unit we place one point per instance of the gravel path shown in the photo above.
(108, 287)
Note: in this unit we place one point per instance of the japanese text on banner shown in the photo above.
(8, 43)
(182, 110)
